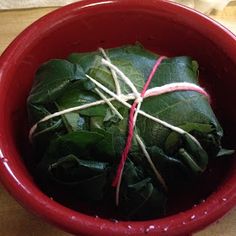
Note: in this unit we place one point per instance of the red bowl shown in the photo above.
(165, 27)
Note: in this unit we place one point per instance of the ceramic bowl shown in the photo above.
(162, 26)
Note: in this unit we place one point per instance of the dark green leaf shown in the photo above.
(80, 151)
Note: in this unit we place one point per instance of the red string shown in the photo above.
(131, 124)
(157, 64)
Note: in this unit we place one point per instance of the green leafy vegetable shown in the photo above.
(81, 150)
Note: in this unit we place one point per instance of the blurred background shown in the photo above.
(205, 6)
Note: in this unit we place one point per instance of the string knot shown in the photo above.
(139, 99)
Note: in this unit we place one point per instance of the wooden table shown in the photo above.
(16, 221)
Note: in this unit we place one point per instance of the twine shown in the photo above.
(135, 109)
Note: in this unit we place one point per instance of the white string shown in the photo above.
(165, 124)
(123, 76)
(138, 100)
(113, 73)
(77, 108)
(172, 87)
(174, 128)
(146, 154)
(109, 104)
(121, 98)
(137, 111)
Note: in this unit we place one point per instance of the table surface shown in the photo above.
(14, 220)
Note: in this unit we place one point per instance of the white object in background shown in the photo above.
(201, 5)
(188, 3)
(15, 4)
(206, 6)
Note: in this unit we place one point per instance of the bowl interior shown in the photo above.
(162, 27)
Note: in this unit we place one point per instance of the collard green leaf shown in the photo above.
(71, 169)
(73, 121)
(76, 143)
(80, 150)
(171, 168)
(71, 172)
(139, 194)
(52, 79)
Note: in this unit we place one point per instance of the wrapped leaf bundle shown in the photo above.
(80, 149)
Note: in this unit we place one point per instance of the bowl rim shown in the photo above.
(34, 200)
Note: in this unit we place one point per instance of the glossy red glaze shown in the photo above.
(160, 25)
